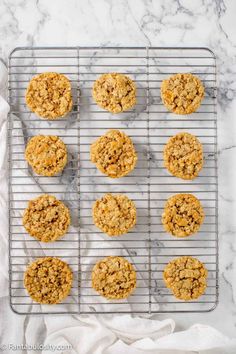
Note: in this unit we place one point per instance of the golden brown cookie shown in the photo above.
(114, 278)
(183, 156)
(49, 95)
(182, 93)
(114, 154)
(183, 215)
(48, 280)
(186, 278)
(46, 154)
(114, 214)
(46, 218)
(114, 92)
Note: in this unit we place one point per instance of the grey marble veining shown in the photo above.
(139, 23)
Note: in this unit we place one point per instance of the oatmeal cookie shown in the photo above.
(183, 215)
(114, 278)
(182, 93)
(49, 95)
(48, 280)
(114, 214)
(183, 156)
(186, 278)
(114, 92)
(46, 154)
(46, 218)
(114, 154)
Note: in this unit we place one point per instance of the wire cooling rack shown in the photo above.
(149, 125)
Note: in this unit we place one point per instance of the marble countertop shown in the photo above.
(209, 23)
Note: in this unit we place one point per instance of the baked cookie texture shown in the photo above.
(186, 278)
(49, 95)
(114, 278)
(182, 93)
(114, 214)
(46, 218)
(183, 156)
(114, 92)
(114, 154)
(183, 215)
(48, 280)
(46, 154)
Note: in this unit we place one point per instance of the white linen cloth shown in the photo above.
(117, 334)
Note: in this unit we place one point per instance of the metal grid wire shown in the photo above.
(149, 125)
